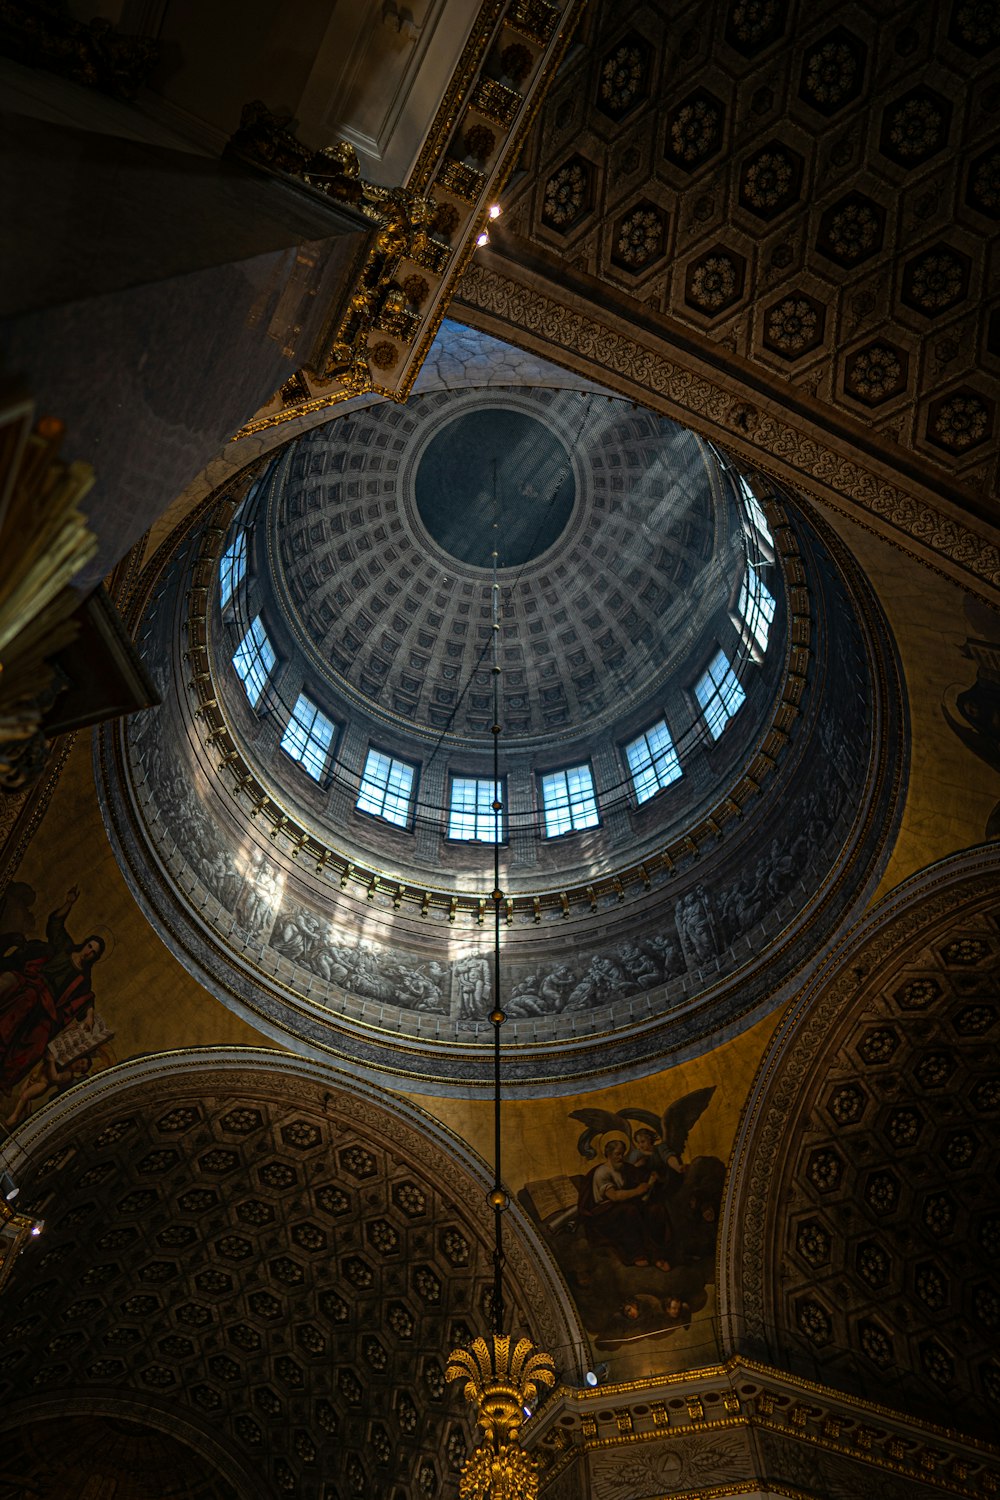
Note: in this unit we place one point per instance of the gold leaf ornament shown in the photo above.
(500, 1381)
(505, 1473)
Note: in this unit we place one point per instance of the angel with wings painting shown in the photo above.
(637, 1228)
(627, 1202)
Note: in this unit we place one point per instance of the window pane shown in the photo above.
(232, 568)
(254, 661)
(756, 605)
(308, 737)
(652, 761)
(386, 788)
(568, 801)
(719, 693)
(470, 813)
(755, 511)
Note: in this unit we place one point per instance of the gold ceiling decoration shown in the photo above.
(16, 1230)
(502, 1383)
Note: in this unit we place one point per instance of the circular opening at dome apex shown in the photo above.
(498, 452)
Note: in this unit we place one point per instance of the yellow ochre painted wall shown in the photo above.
(142, 991)
(951, 791)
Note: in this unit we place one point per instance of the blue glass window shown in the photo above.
(719, 693)
(387, 788)
(232, 568)
(652, 761)
(254, 661)
(308, 737)
(756, 605)
(471, 814)
(568, 801)
(755, 511)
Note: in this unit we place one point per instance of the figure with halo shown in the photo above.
(47, 998)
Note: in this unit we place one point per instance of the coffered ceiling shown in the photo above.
(407, 624)
(812, 189)
(281, 1269)
(882, 1226)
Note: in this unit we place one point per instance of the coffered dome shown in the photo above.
(689, 800)
(616, 535)
(366, 567)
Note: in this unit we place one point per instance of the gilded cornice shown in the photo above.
(709, 1412)
(380, 329)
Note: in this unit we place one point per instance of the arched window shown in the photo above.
(254, 661)
(755, 511)
(308, 737)
(232, 568)
(471, 814)
(756, 605)
(387, 788)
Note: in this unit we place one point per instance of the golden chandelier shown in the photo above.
(501, 1383)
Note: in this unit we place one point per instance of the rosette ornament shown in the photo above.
(500, 1383)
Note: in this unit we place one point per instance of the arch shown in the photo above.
(872, 1113)
(225, 1460)
(274, 1249)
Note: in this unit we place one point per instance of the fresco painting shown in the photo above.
(52, 1033)
(662, 1144)
(972, 710)
(634, 1229)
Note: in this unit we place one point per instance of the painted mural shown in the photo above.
(634, 1230)
(255, 907)
(972, 710)
(52, 1033)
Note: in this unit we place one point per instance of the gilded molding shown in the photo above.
(750, 1398)
(468, 65)
(427, 229)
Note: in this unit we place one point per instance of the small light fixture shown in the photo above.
(8, 1187)
(36, 1230)
(495, 210)
(483, 238)
(595, 1376)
